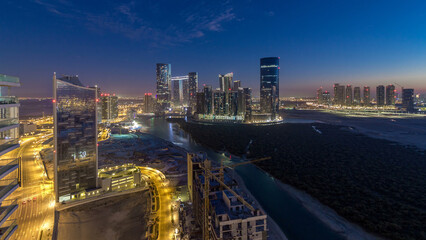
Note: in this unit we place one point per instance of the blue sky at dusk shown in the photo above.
(116, 44)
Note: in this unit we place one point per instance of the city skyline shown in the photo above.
(370, 52)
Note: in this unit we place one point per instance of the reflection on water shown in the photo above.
(295, 221)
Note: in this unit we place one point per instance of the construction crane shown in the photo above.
(208, 174)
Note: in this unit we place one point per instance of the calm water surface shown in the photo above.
(295, 221)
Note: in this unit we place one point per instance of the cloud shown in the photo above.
(148, 20)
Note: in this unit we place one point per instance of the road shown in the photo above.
(165, 213)
(35, 196)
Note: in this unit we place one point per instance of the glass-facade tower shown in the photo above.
(164, 75)
(269, 85)
(192, 88)
(75, 138)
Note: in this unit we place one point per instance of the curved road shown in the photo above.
(35, 213)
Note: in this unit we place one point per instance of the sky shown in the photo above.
(116, 44)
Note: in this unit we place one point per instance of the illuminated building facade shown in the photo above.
(180, 90)
(208, 99)
(349, 96)
(164, 74)
(269, 85)
(367, 96)
(357, 95)
(75, 138)
(390, 95)
(9, 167)
(408, 99)
(148, 106)
(339, 94)
(380, 95)
(237, 84)
(219, 102)
(201, 103)
(109, 103)
(192, 88)
(225, 83)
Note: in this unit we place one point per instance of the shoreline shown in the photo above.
(275, 232)
(328, 216)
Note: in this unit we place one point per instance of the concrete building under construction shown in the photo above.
(219, 207)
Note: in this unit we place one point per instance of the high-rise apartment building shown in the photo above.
(109, 104)
(192, 88)
(357, 95)
(219, 102)
(326, 98)
(176, 91)
(380, 95)
(208, 99)
(148, 103)
(366, 96)
(269, 85)
(237, 84)
(225, 83)
(319, 95)
(201, 103)
(9, 140)
(164, 74)
(408, 99)
(390, 94)
(75, 138)
(339, 94)
(248, 103)
(349, 95)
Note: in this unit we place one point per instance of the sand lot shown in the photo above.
(123, 217)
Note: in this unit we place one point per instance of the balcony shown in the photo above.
(7, 166)
(6, 232)
(8, 100)
(6, 122)
(6, 211)
(7, 187)
(9, 81)
(7, 145)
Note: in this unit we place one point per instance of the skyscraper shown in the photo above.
(326, 98)
(176, 91)
(225, 82)
(192, 88)
(148, 103)
(380, 95)
(9, 140)
(390, 94)
(237, 84)
(408, 99)
(248, 103)
(367, 98)
(219, 102)
(357, 95)
(75, 138)
(180, 90)
(208, 99)
(319, 95)
(201, 103)
(109, 104)
(339, 94)
(349, 96)
(269, 85)
(164, 74)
